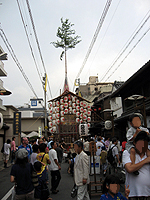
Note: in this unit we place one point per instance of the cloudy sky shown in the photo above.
(122, 21)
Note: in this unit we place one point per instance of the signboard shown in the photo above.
(83, 129)
(40, 131)
(34, 103)
(17, 123)
(92, 147)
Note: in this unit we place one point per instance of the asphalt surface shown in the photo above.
(64, 187)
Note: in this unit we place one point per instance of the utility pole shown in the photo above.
(45, 110)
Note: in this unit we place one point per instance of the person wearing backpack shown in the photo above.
(115, 153)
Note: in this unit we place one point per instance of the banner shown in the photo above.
(17, 123)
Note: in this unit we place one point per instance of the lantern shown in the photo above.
(61, 101)
(73, 99)
(69, 103)
(53, 110)
(81, 121)
(81, 115)
(54, 116)
(77, 120)
(54, 122)
(89, 107)
(89, 113)
(66, 111)
(74, 111)
(61, 107)
(77, 114)
(49, 105)
(57, 103)
(85, 111)
(81, 109)
(50, 124)
(51, 130)
(57, 115)
(77, 108)
(81, 103)
(70, 109)
(54, 104)
(88, 119)
(62, 113)
(65, 105)
(50, 112)
(54, 128)
(50, 118)
(77, 102)
(57, 109)
(74, 105)
(89, 125)
(57, 121)
(85, 117)
(84, 104)
(65, 98)
(62, 119)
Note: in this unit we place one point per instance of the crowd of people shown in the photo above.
(29, 172)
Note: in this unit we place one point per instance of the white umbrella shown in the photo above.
(32, 134)
(23, 135)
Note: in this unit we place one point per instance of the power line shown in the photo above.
(128, 43)
(33, 26)
(128, 53)
(11, 51)
(95, 35)
(104, 34)
(29, 41)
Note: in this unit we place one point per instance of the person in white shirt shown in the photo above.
(99, 145)
(54, 168)
(6, 152)
(139, 185)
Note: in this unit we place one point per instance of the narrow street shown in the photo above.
(65, 185)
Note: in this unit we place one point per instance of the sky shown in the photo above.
(122, 20)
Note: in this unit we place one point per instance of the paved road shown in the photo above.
(65, 185)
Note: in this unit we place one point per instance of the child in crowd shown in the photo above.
(35, 148)
(104, 160)
(42, 156)
(111, 187)
(136, 127)
(41, 191)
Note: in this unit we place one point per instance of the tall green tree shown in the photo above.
(68, 40)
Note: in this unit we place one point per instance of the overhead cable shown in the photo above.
(29, 40)
(126, 46)
(95, 35)
(11, 51)
(33, 26)
(104, 35)
(128, 53)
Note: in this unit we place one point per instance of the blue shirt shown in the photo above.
(28, 148)
(117, 196)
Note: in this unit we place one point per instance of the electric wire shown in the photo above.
(95, 35)
(25, 27)
(29, 41)
(11, 51)
(104, 36)
(38, 45)
(128, 53)
(133, 36)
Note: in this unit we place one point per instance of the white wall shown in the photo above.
(116, 106)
